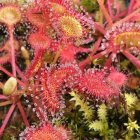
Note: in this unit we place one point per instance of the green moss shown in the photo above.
(90, 5)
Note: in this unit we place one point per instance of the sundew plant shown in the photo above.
(69, 70)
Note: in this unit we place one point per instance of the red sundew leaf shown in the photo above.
(37, 18)
(62, 74)
(52, 81)
(10, 14)
(50, 98)
(68, 53)
(117, 78)
(122, 37)
(94, 84)
(37, 40)
(69, 24)
(45, 132)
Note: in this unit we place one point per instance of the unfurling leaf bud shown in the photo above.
(10, 86)
(25, 53)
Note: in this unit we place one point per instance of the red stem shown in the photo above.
(3, 97)
(99, 28)
(97, 56)
(7, 118)
(23, 113)
(12, 51)
(107, 16)
(127, 17)
(130, 8)
(20, 74)
(109, 8)
(95, 48)
(11, 75)
(132, 58)
(109, 61)
(96, 45)
(123, 13)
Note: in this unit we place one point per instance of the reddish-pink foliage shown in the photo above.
(36, 18)
(120, 39)
(117, 78)
(66, 9)
(95, 84)
(120, 36)
(69, 52)
(52, 81)
(45, 132)
(37, 40)
(49, 96)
